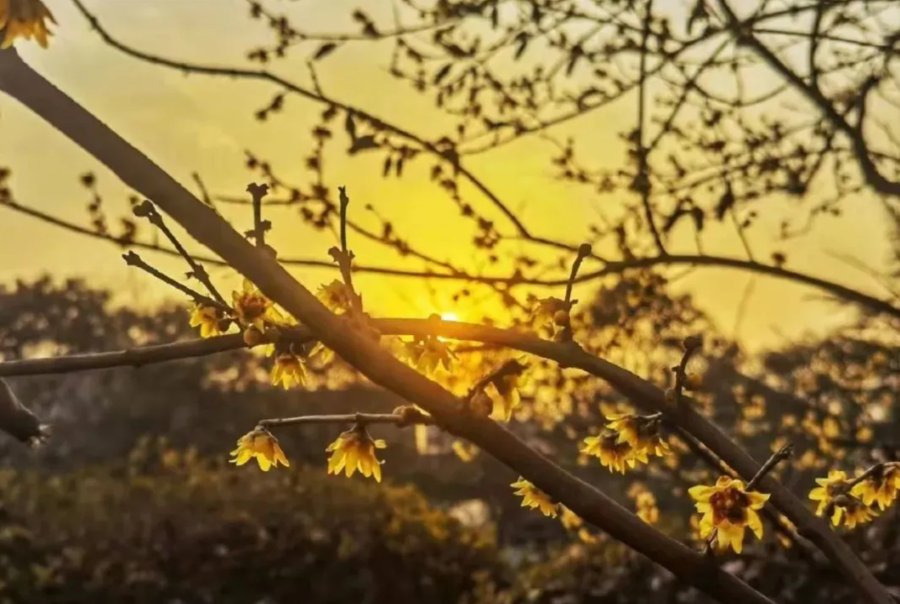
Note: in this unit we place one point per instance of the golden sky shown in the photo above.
(195, 123)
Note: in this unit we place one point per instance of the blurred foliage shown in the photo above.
(169, 527)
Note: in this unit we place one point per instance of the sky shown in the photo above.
(199, 124)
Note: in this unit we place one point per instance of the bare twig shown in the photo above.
(133, 259)
(642, 181)
(610, 268)
(257, 193)
(398, 419)
(148, 211)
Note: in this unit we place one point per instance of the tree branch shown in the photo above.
(612, 267)
(355, 346)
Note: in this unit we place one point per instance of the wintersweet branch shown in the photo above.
(202, 223)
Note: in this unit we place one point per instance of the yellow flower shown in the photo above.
(429, 354)
(569, 519)
(24, 19)
(209, 319)
(728, 510)
(880, 487)
(835, 500)
(615, 454)
(288, 370)
(355, 450)
(503, 389)
(640, 431)
(466, 452)
(336, 296)
(534, 498)
(253, 308)
(262, 445)
(645, 507)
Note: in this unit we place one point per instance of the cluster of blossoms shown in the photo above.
(727, 509)
(355, 450)
(534, 498)
(24, 19)
(262, 323)
(852, 502)
(261, 445)
(503, 389)
(429, 354)
(352, 451)
(626, 440)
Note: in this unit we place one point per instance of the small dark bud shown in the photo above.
(143, 209)
(693, 342)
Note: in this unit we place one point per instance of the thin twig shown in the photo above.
(610, 268)
(783, 453)
(350, 418)
(147, 210)
(257, 193)
(133, 259)
(642, 182)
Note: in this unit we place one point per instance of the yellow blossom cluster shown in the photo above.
(626, 440)
(428, 354)
(881, 487)
(572, 522)
(24, 19)
(259, 320)
(336, 296)
(645, 506)
(534, 498)
(210, 319)
(727, 509)
(852, 502)
(261, 445)
(503, 390)
(355, 450)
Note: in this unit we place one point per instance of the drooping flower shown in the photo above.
(728, 509)
(836, 501)
(466, 451)
(211, 320)
(645, 507)
(616, 454)
(252, 307)
(572, 522)
(354, 450)
(881, 487)
(24, 19)
(503, 389)
(429, 355)
(336, 296)
(288, 370)
(259, 444)
(534, 498)
(642, 432)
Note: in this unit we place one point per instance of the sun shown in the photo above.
(449, 316)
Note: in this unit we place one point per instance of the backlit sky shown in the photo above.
(194, 123)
